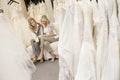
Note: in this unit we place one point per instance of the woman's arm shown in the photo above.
(49, 35)
(53, 31)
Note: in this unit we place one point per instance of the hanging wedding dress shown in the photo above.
(78, 33)
(118, 9)
(112, 63)
(55, 3)
(65, 46)
(94, 5)
(86, 65)
(118, 4)
(20, 23)
(101, 39)
(15, 63)
(42, 8)
(50, 10)
(36, 12)
(30, 11)
(39, 10)
(59, 14)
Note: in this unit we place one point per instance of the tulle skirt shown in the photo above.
(15, 62)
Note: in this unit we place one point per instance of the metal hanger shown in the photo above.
(12, 1)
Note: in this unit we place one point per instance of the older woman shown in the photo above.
(49, 36)
(38, 30)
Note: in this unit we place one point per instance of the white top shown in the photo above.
(50, 29)
(36, 28)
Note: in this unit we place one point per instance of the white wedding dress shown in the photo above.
(86, 66)
(59, 14)
(65, 46)
(30, 12)
(118, 4)
(50, 11)
(101, 25)
(78, 33)
(37, 11)
(15, 63)
(112, 61)
(20, 24)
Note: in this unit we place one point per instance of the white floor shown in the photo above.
(46, 71)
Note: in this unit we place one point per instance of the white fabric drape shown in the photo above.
(94, 53)
(66, 49)
(37, 11)
(111, 66)
(86, 66)
(15, 63)
(78, 33)
(20, 24)
(15, 15)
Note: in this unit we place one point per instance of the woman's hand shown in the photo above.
(42, 36)
(50, 35)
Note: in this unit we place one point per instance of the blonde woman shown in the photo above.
(38, 30)
(50, 36)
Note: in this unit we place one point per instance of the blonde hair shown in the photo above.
(32, 28)
(44, 17)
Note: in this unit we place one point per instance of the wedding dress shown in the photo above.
(78, 33)
(101, 24)
(59, 14)
(37, 11)
(94, 5)
(86, 66)
(112, 63)
(65, 46)
(40, 10)
(15, 63)
(118, 4)
(50, 10)
(30, 11)
(20, 24)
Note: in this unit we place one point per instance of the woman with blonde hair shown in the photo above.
(38, 30)
(50, 36)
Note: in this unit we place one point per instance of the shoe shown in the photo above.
(40, 57)
(34, 59)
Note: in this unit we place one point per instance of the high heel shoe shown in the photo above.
(40, 57)
(34, 59)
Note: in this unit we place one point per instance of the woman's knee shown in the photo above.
(47, 46)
